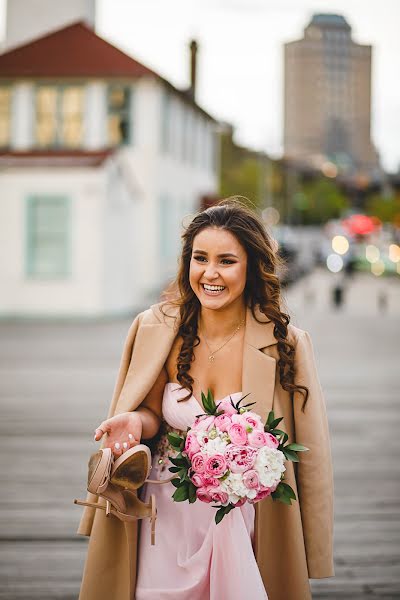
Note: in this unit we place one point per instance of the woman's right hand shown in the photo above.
(123, 431)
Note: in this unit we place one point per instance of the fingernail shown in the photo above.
(125, 445)
(130, 436)
(117, 445)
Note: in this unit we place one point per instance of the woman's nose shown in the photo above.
(211, 271)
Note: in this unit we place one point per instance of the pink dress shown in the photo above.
(193, 558)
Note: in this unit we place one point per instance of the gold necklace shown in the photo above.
(212, 354)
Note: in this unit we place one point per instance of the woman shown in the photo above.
(223, 330)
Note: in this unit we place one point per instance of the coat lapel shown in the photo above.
(151, 347)
(258, 377)
(153, 343)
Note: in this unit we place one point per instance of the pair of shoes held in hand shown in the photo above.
(117, 481)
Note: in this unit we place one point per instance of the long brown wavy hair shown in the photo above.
(262, 289)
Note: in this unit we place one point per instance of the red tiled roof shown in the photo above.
(54, 158)
(74, 51)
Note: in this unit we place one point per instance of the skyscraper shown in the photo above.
(328, 96)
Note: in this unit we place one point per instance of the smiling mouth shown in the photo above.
(213, 290)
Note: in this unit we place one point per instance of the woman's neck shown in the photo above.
(217, 324)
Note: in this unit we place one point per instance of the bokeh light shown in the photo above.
(334, 262)
(340, 244)
(329, 169)
(372, 253)
(394, 253)
(378, 267)
(271, 215)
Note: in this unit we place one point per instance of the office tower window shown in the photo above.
(47, 237)
(119, 114)
(5, 116)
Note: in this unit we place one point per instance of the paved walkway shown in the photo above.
(50, 373)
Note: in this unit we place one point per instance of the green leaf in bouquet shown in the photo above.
(277, 432)
(182, 474)
(222, 511)
(290, 454)
(270, 418)
(192, 493)
(283, 438)
(179, 461)
(176, 441)
(177, 482)
(285, 500)
(181, 493)
(296, 447)
(174, 469)
(275, 422)
(288, 491)
(208, 402)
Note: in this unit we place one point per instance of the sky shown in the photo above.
(240, 60)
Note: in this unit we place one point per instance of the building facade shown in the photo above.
(327, 97)
(100, 161)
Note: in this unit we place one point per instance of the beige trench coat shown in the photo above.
(292, 543)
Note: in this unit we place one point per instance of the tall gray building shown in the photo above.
(328, 96)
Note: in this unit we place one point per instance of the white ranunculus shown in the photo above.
(215, 446)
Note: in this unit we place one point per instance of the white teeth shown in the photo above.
(213, 288)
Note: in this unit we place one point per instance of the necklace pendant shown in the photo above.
(211, 358)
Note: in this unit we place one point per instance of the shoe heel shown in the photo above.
(131, 470)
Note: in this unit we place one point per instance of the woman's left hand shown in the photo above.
(123, 431)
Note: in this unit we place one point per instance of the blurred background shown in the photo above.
(119, 119)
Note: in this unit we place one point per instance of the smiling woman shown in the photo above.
(221, 328)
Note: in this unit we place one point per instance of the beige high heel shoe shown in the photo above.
(117, 481)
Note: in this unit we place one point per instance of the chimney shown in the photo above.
(193, 68)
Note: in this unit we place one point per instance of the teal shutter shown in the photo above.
(47, 237)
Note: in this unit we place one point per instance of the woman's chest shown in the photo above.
(220, 371)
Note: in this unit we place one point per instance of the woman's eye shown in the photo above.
(200, 258)
(227, 261)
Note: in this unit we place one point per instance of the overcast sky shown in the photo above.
(240, 65)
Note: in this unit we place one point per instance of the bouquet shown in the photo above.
(228, 457)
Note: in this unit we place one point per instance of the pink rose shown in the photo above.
(253, 420)
(204, 495)
(237, 434)
(215, 465)
(240, 502)
(263, 492)
(198, 462)
(226, 407)
(210, 481)
(218, 495)
(191, 444)
(240, 458)
(271, 441)
(251, 479)
(258, 439)
(223, 422)
(203, 423)
(198, 480)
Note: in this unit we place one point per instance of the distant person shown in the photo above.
(221, 328)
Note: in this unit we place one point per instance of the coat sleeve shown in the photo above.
(86, 522)
(314, 471)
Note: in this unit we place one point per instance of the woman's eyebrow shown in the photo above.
(223, 255)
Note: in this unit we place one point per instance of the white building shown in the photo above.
(100, 160)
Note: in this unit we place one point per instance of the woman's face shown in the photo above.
(218, 268)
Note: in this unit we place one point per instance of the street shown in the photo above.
(56, 381)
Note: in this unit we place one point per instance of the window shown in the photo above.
(59, 116)
(48, 225)
(5, 116)
(119, 114)
(165, 121)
